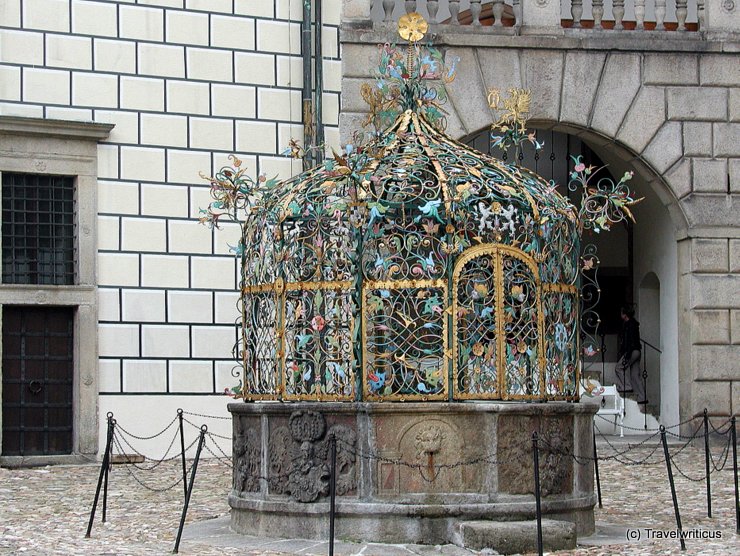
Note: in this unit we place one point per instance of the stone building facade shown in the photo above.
(664, 104)
(187, 82)
(181, 85)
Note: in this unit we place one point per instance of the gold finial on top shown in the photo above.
(412, 27)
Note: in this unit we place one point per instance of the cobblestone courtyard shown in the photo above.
(45, 510)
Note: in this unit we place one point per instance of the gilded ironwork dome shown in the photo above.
(413, 267)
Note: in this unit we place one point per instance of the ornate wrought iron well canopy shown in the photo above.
(417, 269)
(412, 267)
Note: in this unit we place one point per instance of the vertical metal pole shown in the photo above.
(319, 70)
(706, 463)
(644, 383)
(596, 467)
(182, 454)
(733, 432)
(106, 459)
(107, 470)
(603, 357)
(201, 440)
(538, 507)
(307, 104)
(673, 486)
(332, 492)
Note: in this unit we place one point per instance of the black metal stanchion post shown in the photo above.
(673, 486)
(182, 453)
(538, 507)
(644, 391)
(201, 440)
(103, 466)
(602, 347)
(107, 470)
(332, 492)
(733, 432)
(706, 463)
(596, 467)
(623, 384)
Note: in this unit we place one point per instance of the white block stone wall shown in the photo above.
(187, 83)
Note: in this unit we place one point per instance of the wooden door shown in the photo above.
(37, 376)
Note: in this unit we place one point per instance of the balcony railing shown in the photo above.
(639, 15)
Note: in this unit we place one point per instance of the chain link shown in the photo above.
(227, 456)
(207, 416)
(160, 433)
(163, 459)
(717, 431)
(618, 455)
(437, 468)
(143, 484)
(218, 458)
(157, 462)
(723, 456)
(216, 435)
(630, 447)
(643, 430)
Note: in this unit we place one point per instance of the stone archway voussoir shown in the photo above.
(581, 80)
(620, 82)
(543, 75)
(468, 92)
(644, 118)
(665, 147)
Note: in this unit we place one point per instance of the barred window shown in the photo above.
(38, 229)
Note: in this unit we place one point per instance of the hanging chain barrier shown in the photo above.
(121, 440)
(104, 467)
(189, 491)
(642, 453)
(664, 442)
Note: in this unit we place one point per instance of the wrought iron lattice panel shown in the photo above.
(318, 359)
(498, 325)
(38, 230)
(260, 344)
(405, 349)
(476, 340)
(523, 327)
(316, 236)
(389, 219)
(259, 263)
(407, 219)
(562, 353)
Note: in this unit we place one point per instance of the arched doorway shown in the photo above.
(627, 254)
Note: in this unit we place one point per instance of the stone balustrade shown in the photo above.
(612, 15)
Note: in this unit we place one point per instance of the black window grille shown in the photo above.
(38, 229)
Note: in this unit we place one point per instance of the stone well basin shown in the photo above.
(282, 454)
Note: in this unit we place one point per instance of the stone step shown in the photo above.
(515, 537)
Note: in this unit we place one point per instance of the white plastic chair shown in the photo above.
(613, 404)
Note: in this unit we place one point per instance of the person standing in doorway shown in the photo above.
(629, 377)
